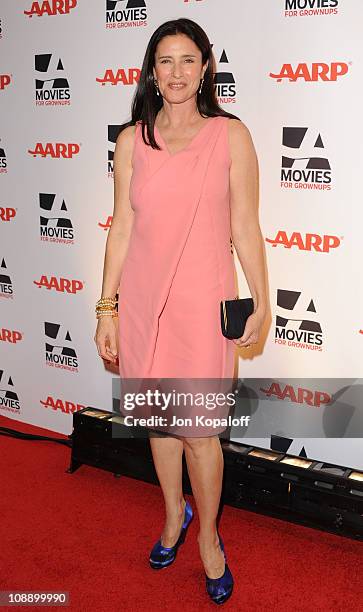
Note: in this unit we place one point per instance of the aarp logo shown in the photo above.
(311, 73)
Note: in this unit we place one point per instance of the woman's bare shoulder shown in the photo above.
(126, 136)
(240, 139)
(237, 128)
(125, 143)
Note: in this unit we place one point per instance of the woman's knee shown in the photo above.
(198, 445)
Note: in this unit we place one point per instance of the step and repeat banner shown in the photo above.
(291, 70)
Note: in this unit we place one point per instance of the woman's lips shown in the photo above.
(176, 85)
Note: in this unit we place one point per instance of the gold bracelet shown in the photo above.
(105, 307)
(108, 301)
(106, 304)
(110, 313)
(105, 310)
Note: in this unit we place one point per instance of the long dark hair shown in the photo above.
(146, 103)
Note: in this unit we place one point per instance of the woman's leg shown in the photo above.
(204, 459)
(167, 454)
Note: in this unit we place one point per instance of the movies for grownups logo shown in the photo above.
(112, 133)
(55, 222)
(126, 14)
(6, 285)
(304, 162)
(310, 8)
(51, 82)
(59, 349)
(297, 324)
(3, 161)
(9, 400)
(50, 8)
(225, 84)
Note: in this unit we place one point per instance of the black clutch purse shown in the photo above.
(234, 314)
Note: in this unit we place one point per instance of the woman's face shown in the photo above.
(178, 68)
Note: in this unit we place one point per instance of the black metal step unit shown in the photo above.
(296, 489)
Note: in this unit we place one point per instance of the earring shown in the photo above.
(157, 88)
(201, 85)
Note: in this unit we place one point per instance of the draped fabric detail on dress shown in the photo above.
(178, 267)
(165, 205)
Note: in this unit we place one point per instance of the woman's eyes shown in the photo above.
(187, 60)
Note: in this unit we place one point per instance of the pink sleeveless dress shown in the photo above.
(179, 264)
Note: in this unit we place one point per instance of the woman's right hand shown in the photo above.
(106, 338)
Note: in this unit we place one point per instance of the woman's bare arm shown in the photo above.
(244, 191)
(106, 336)
(120, 230)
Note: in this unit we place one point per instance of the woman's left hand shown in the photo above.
(251, 333)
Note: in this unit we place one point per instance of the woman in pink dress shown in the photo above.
(185, 189)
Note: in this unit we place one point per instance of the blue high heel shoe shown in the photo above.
(161, 556)
(220, 589)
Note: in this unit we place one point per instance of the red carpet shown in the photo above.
(90, 534)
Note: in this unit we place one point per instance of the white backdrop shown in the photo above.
(291, 70)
